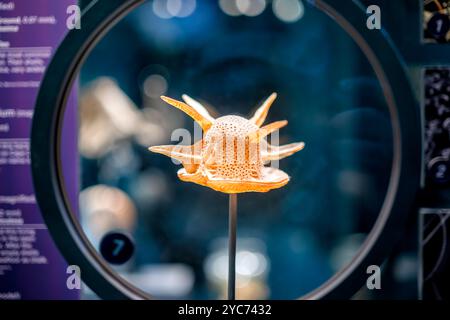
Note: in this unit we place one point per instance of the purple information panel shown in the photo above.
(30, 265)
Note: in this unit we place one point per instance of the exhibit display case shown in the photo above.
(355, 182)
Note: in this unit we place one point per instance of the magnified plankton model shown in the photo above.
(232, 155)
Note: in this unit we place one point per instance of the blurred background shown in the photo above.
(230, 55)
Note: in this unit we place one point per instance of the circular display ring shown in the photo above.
(97, 18)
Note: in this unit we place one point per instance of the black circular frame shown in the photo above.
(97, 18)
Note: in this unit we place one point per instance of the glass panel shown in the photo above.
(230, 56)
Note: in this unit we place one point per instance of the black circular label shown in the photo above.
(116, 248)
(440, 172)
(438, 25)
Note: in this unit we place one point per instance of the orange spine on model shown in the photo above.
(230, 158)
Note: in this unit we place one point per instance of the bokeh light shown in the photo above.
(288, 10)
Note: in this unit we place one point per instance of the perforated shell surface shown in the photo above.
(231, 156)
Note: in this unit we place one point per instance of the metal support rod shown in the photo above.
(232, 219)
